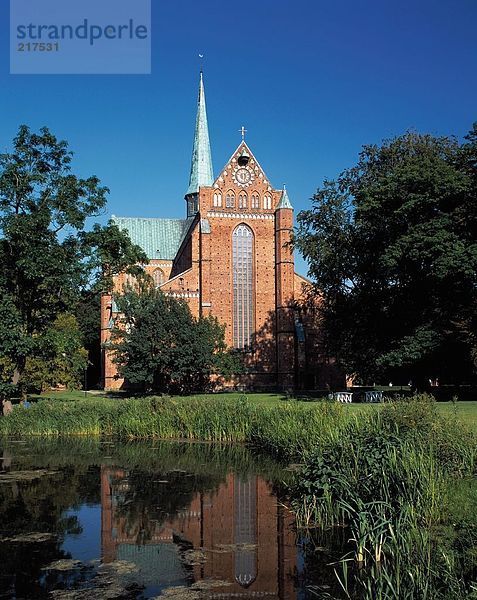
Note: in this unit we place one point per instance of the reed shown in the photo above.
(288, 430)
(386, 479)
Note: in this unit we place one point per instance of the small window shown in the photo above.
(130, 282)
(158, 277)
(255, 200)
(192, 206)
(267, 202)
(230, 200)
(242, 203)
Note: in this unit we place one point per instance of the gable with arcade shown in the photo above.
(243, 184)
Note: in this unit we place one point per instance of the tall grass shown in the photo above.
(286, 430)
(385, 478)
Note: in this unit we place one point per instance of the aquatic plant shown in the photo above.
(385, 479)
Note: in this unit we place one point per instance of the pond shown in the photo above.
(97, 519)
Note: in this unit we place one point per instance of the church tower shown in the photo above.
(201, 172)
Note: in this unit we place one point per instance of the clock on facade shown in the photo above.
(243, 176)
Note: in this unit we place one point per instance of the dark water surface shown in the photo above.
(91, 519)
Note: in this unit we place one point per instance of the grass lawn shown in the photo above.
(262, 399)
(466, 411)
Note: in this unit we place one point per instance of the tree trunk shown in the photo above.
(17, 376)
(17, 373)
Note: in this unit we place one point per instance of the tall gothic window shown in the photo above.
(230, 200)
(158, 277)
(255, 200)
(242, 261)
(267, 202)
(217, 199)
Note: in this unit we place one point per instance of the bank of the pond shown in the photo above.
(288, 429)
(393, 480)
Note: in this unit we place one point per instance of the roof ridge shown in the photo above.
(114, 217)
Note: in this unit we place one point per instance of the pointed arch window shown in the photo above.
(217, 199)
(255, 200)
(158, 277)
(243, 293)
(242, 201)
(267, 202)
(230, 200)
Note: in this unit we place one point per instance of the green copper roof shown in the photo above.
(285, 200)
(159, 238)
(201, 172)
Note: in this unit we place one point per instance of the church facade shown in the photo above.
(230, 258)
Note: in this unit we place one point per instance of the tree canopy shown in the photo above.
(392, 252)
(160, 347)
(59, 357)
(48, 255)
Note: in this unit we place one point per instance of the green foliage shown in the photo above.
(159, 346)
(392, 248)
(46, 256)
(88, 315)
(385, 479)
(59, 357)
(295, 429)
(7, 368)
(108, 251)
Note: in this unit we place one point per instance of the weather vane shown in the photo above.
(243, 131)
(201, 58)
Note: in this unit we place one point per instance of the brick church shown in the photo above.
(230, 258)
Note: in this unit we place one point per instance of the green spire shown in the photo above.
(201, 172)
(285, 200)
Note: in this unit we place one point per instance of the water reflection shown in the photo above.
(245, 530)
(239, 532)
(134, 520)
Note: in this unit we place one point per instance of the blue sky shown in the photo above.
(312, 81)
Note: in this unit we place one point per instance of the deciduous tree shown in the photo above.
(46, 255)
(392, 249)
(159, 346)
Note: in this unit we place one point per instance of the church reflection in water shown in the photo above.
(237, 534)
